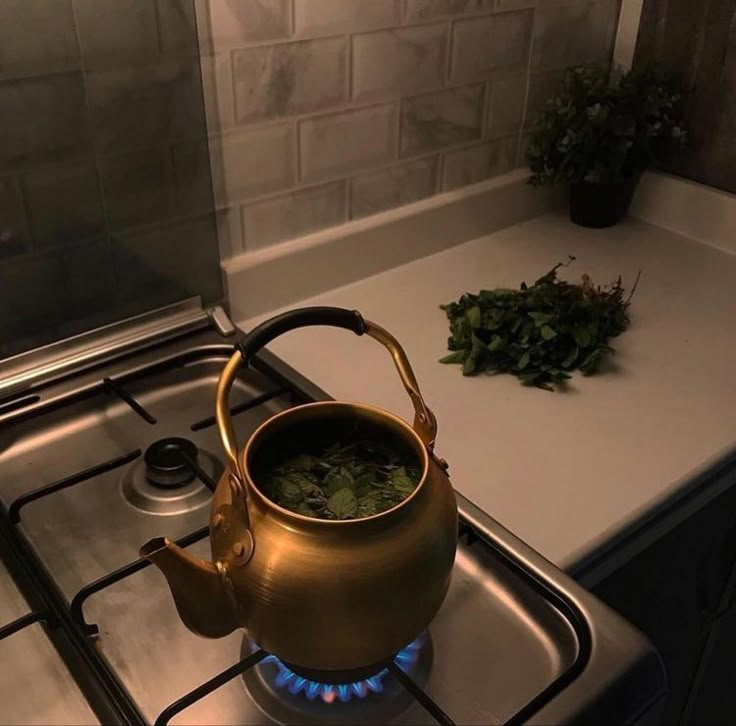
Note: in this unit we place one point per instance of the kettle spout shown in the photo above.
(201, 590)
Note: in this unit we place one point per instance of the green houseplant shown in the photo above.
(599, 133)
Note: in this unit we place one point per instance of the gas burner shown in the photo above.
(286, 696)
(342, 687)
(168, 462)
(165, 483)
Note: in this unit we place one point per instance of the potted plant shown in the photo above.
(599, 133)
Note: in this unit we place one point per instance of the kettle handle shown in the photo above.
(425, 423)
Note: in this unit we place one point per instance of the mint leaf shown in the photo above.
(343, 504)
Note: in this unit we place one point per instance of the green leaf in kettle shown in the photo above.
(304, 509)
(401, 481)
(364, 484)
(336, 479)
(288, 491)
(540, 318)
(305, 462)
(343, 503)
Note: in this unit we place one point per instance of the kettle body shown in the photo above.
(321, 595)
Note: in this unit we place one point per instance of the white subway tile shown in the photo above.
(466, 166)
(445, 118)
(504, 5)
(235, 22)
(506, 104)
(424, 9)
(572, 34)
(476, 163)
(395, 186)
(328, 17)
(504, 154)
(348, 141)
(229, 232)
(251, 162)
(289, 78)
(217, 87)
(293, 215)
(482, 46)
(391, 62)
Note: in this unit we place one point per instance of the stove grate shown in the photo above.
(23, 622)
(77, 606)
(114, 387)
(420, 695)
(69, 481)
(245, 406)
(75, 612)
(246, 663)
(209, 686)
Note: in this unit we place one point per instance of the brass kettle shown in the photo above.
(326, 595)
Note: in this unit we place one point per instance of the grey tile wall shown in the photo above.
(379, 190)
(416, 57)
(423, 9)
(36, 35)
(294, 214)
(347, 141)
(487, 44)
(13, 225)
(101, 213)
(391, 100)
(317, 112)
(234, 23)
(441, 119)
(289, 78)
(64, 204)
(327, 17)
(43, 119)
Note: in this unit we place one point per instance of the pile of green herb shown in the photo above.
(346, 481)
(539, 333)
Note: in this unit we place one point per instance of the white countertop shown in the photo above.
(563, 471)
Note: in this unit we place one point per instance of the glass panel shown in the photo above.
(106, 205)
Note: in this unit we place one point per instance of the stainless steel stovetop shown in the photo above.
(98, 638)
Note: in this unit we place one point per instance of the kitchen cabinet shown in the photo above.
(678, 591)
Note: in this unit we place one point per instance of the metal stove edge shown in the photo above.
(613, 652)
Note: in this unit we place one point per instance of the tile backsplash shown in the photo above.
(101, 212)
(322, 111)
(136, 133)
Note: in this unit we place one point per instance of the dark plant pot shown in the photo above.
(601, 205)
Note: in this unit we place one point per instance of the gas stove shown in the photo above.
(108, 440)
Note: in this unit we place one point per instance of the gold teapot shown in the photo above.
(324, 595)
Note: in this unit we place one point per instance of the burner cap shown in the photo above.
(167, 462)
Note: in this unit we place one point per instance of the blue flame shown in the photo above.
(286, 678)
